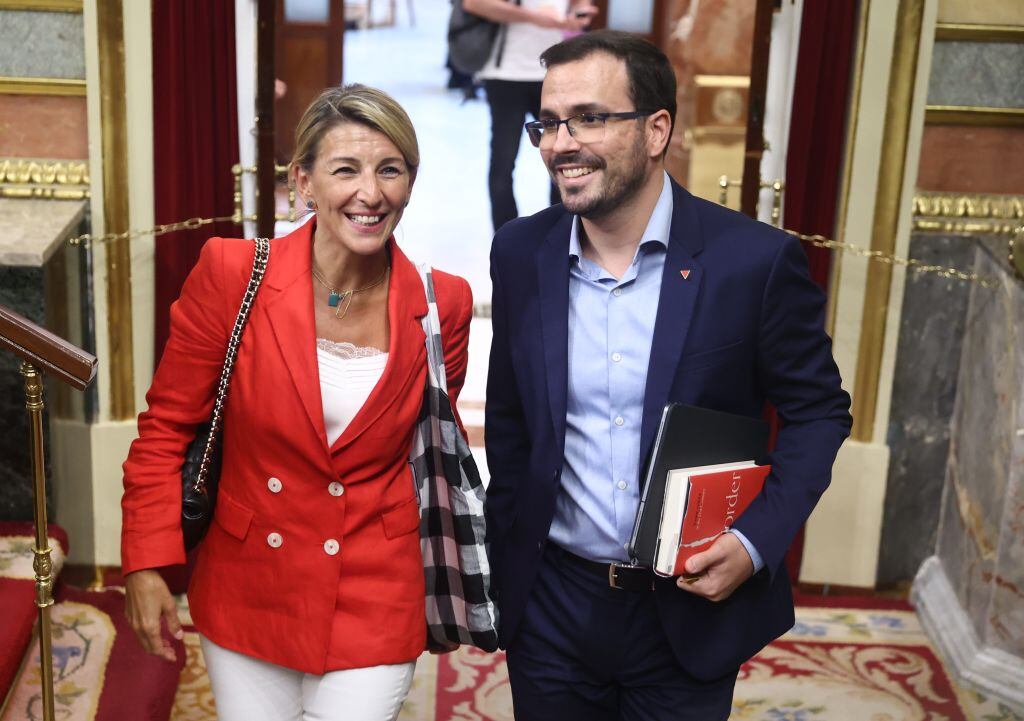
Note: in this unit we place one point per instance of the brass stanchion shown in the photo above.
(41, 563)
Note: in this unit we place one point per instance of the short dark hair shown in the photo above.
(652, 82)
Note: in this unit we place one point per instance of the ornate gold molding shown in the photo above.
(981, 210)
(980, 33)
(973, 115)
(59, 6)
(41, 86)
(1000, 215)
(37, 178)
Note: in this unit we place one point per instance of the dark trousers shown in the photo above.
(510, 102)
(588, 652)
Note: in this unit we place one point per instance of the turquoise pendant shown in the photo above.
(333, 299)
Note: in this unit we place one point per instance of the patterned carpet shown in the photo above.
(837, 664)
(100, 671)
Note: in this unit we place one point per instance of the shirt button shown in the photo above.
(274, 484)
(335, 489)
(616, 357)
(619, 420)
(274, 540)
(617, 292)
(622, 485)
(331, 547)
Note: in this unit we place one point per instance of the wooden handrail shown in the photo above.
(46, 351)
(39, 350)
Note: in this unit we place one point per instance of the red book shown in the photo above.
(701, 503)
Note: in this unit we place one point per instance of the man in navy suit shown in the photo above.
(630, 294)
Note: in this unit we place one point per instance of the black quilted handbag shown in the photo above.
(200, 472)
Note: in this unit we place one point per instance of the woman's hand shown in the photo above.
(147, 600)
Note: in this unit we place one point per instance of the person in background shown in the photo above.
(308, 588)
(512, 79)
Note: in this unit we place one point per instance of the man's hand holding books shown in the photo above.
(715, 573)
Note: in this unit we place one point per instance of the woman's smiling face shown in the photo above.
(360, 184)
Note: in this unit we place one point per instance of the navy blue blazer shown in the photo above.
(744, 327)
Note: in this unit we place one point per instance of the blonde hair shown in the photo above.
(353, 103)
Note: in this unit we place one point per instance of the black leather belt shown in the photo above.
(618, 575)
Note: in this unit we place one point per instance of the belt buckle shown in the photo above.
(613, 576)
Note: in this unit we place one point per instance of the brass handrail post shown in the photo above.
(41, 563)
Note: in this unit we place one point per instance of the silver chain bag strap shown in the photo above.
(200, 472)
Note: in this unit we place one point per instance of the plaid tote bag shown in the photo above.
(451, 495)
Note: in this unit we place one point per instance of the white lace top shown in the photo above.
(347, 375)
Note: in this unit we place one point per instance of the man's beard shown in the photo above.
(618, 188)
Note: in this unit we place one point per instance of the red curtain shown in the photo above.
(814, 161)
(195, 135)
(816, 132)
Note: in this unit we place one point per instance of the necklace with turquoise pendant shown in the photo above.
(341, 300)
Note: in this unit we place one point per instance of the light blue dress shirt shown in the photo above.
(611, 326)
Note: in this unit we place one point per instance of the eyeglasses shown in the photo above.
(584, 128)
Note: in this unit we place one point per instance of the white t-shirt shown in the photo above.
(524, 42)
(347, 375)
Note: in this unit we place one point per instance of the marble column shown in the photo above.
(970, 593)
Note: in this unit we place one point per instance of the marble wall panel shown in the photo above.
(43, 126)
(21, 289)
(42, 44)
(983, 443)
(988, 12)
(968, 159)
(967, 562)
(1005, 622)
(1006, 616)
(924, 390)
(977, 74)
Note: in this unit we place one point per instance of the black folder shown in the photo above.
(690, 436)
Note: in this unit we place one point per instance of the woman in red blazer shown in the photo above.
(308, 589)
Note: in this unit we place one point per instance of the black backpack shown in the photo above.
(471, 39)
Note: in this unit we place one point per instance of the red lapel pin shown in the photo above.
(685, 273)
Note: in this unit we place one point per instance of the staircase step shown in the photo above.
(18, 591)
(100, 671)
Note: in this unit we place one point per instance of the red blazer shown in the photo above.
(294, 570)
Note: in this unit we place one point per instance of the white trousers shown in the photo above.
(248, 689)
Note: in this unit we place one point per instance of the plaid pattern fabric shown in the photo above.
(451, 495)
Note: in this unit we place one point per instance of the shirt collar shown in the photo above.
(658, 226)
